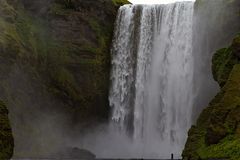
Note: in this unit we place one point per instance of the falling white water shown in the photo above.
(152, 76)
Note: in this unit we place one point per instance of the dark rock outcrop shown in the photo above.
(6, 137)
(236, 47)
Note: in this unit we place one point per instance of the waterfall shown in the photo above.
(151, 91)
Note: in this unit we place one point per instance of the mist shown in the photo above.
(215, 24)
(43, 126)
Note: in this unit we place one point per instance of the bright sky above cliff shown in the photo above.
(155, 1)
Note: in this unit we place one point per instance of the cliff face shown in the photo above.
(216, 134)
(69, 43)
(6, 138)
(54, 65)
(216, 23)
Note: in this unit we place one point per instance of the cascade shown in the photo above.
(151, 91)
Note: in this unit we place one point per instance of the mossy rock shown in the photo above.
(70, 65)
(120, 2)
(217, 132)
(72, 61)
(6, 137)
(236, 46)
(64, 53)
(222, 64)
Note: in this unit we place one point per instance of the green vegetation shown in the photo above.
(216, 134)
(63, 52)
(228, 148)
(120, 2)
(223, 62)
(226, 113)
(59, 9)
(6, 138)
(55, 60)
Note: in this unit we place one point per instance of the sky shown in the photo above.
(155, 1)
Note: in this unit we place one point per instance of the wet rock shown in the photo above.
(76, 153)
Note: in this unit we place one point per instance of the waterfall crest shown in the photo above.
(151, 91)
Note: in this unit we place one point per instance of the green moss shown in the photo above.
(120, 2)
(6, 138)
(72, 70)
(58, 9)
(45, 55)
(64, 81)
(223, 62)
(217, 132)
(228, 148)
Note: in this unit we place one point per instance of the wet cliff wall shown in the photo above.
(54, 68)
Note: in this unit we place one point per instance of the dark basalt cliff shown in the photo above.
(54, 62)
